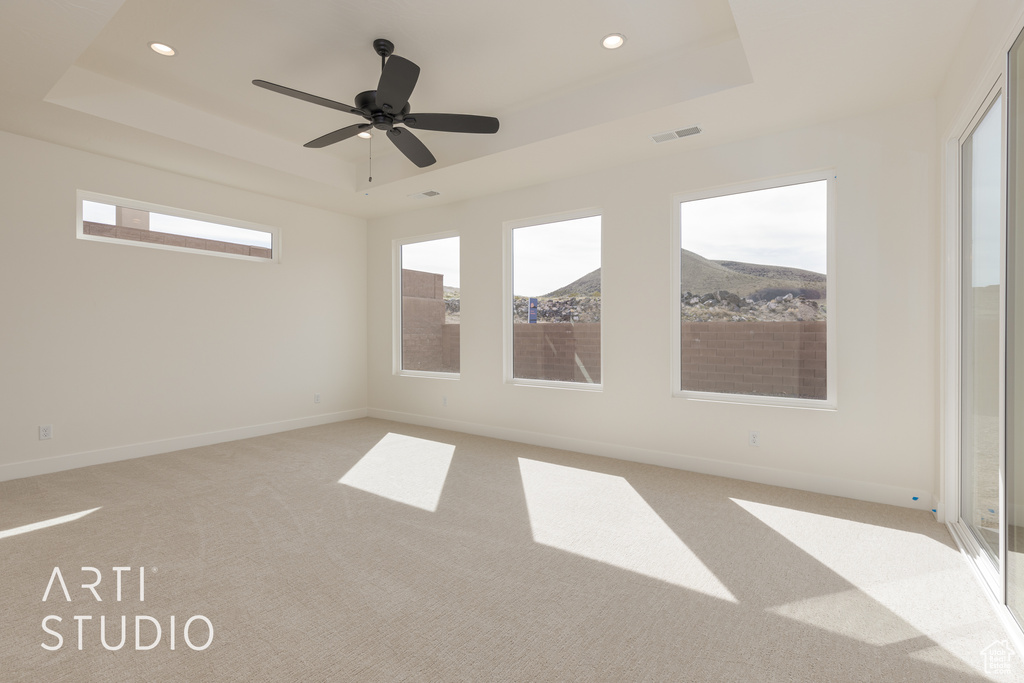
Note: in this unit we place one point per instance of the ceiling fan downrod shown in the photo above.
(384, 48)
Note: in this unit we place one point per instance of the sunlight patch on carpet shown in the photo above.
(922, 595)
(852, 614)
(601, 517)
(971, 668)
(46, 523)
(403, 469)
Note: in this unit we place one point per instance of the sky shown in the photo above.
(96, 212)
(784, 226)
(545, 257)
(549, 256)
(434, 256)
(986, 172)
(781, 226)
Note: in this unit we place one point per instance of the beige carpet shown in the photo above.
(374, 551)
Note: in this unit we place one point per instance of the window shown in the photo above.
(755, 295)
(554, 310)
(110, 219)
(430, 306)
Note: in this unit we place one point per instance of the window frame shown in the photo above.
(994, 79)
(89, 196)
(993, 576)
(508, 227)
(396, 305)
(830, 403)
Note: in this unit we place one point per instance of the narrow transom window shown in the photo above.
(111, 219)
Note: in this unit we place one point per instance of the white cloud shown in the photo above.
(549, 256)
(434, 256)
(782, 226)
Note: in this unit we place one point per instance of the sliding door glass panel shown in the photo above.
(1015, 338)
(980, 294)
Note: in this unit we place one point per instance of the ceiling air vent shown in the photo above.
(676, 134)
(423, 195)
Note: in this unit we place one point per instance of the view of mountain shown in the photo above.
(774, 272)
(588, 285)
(700, 276)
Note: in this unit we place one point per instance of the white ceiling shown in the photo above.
(80, 73)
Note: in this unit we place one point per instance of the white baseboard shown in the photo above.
(816, 483)
(58, 463)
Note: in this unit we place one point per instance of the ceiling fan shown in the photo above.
(387, 106)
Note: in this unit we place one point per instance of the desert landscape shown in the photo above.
(711, 291)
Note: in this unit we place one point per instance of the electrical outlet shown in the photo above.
(755, 438)
(45, 432)
(316, 398)
(444, 401)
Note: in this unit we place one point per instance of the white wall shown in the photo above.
(986, 40)
(129, 351)
(881, 442)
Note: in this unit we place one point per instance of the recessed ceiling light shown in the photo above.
(613, 40)
(161, 49)
(364, 135)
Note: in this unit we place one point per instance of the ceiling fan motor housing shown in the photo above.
(381, 110)
(367, 101)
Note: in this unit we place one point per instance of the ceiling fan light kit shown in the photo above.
(387, 106)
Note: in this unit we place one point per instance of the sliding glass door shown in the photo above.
(990, 343)
(1014, 569)
(980, 343)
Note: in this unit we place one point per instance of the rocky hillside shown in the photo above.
(563, 309)
(774, 272)
(723, 306)
(711, 291)
(588, 285)
(698, 274)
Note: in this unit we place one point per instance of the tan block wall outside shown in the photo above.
(450, 339)
(550, 351)
(428, 344)
(423, 285)
(767, 359)
(154, 237)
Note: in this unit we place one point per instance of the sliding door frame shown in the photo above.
(993, 85)
(993, 577)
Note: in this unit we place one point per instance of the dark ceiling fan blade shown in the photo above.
(453, 123)
(396, 83)
(338, 135)
(410, 145)
(298, 94)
